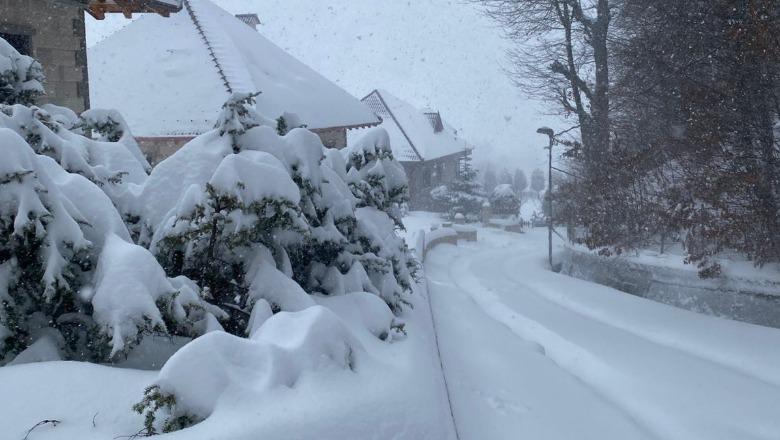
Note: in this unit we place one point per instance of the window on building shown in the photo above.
(22, 43)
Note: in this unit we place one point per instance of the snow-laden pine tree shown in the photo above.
(71, 281)
(463, 195)
(43, 251)
(260, 220)
(72, 284)
(378, 182)
(217, 229)
(375, 177)
(232, 217)
(111, 159)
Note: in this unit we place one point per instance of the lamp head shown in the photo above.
(546, 130)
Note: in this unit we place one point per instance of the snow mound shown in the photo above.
(273, 286)
(44, 349)
(193, 164)
(252, 178)
(131, 286)
(363, 311)
(285, 348)
(129, 282)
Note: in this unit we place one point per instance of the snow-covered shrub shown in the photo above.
(385, 256)
(217, 228)
(503, 200)
(21, 77)
(70, 276)
(287, 122)
(113, 161)
(118, 168)
(459, 196)
(258, 218)
(378, 182)
(285, 348)
(43, 250)
(132, 296)
(375, 177)
(110, 126)
(365, 311)
(53, 227)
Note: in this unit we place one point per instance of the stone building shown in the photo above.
(430, 151)
(53, 32)
(169, 78)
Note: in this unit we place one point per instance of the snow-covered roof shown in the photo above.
(170, 76)
(415, 135)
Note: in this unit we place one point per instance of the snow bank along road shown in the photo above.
(530, 354)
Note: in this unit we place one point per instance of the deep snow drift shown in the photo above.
(289, 381)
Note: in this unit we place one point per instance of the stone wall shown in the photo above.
(334, 138)
(158, 148)
(56, 35)
(755, 301)
(434, 238)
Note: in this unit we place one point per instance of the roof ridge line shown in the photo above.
(403, 132)
(209, 47)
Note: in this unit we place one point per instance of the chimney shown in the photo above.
(251, 20)
(435, 119)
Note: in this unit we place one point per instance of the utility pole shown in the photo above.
(550, 134)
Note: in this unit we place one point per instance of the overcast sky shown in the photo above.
(442, 54)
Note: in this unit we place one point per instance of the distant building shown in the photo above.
(251, 20)
(170, 77)
(429, 150)
(52, 31)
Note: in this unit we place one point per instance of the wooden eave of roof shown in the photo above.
(99, 8)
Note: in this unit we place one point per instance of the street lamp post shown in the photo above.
(550, 134)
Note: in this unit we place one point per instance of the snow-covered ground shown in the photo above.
(527, 354)
(533, 354)
(396, 391)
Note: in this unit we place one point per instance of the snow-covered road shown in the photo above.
(533, 354)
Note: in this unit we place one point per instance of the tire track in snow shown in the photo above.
(561, 352)
(634, 394)
(688, 349)
(538, 399)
